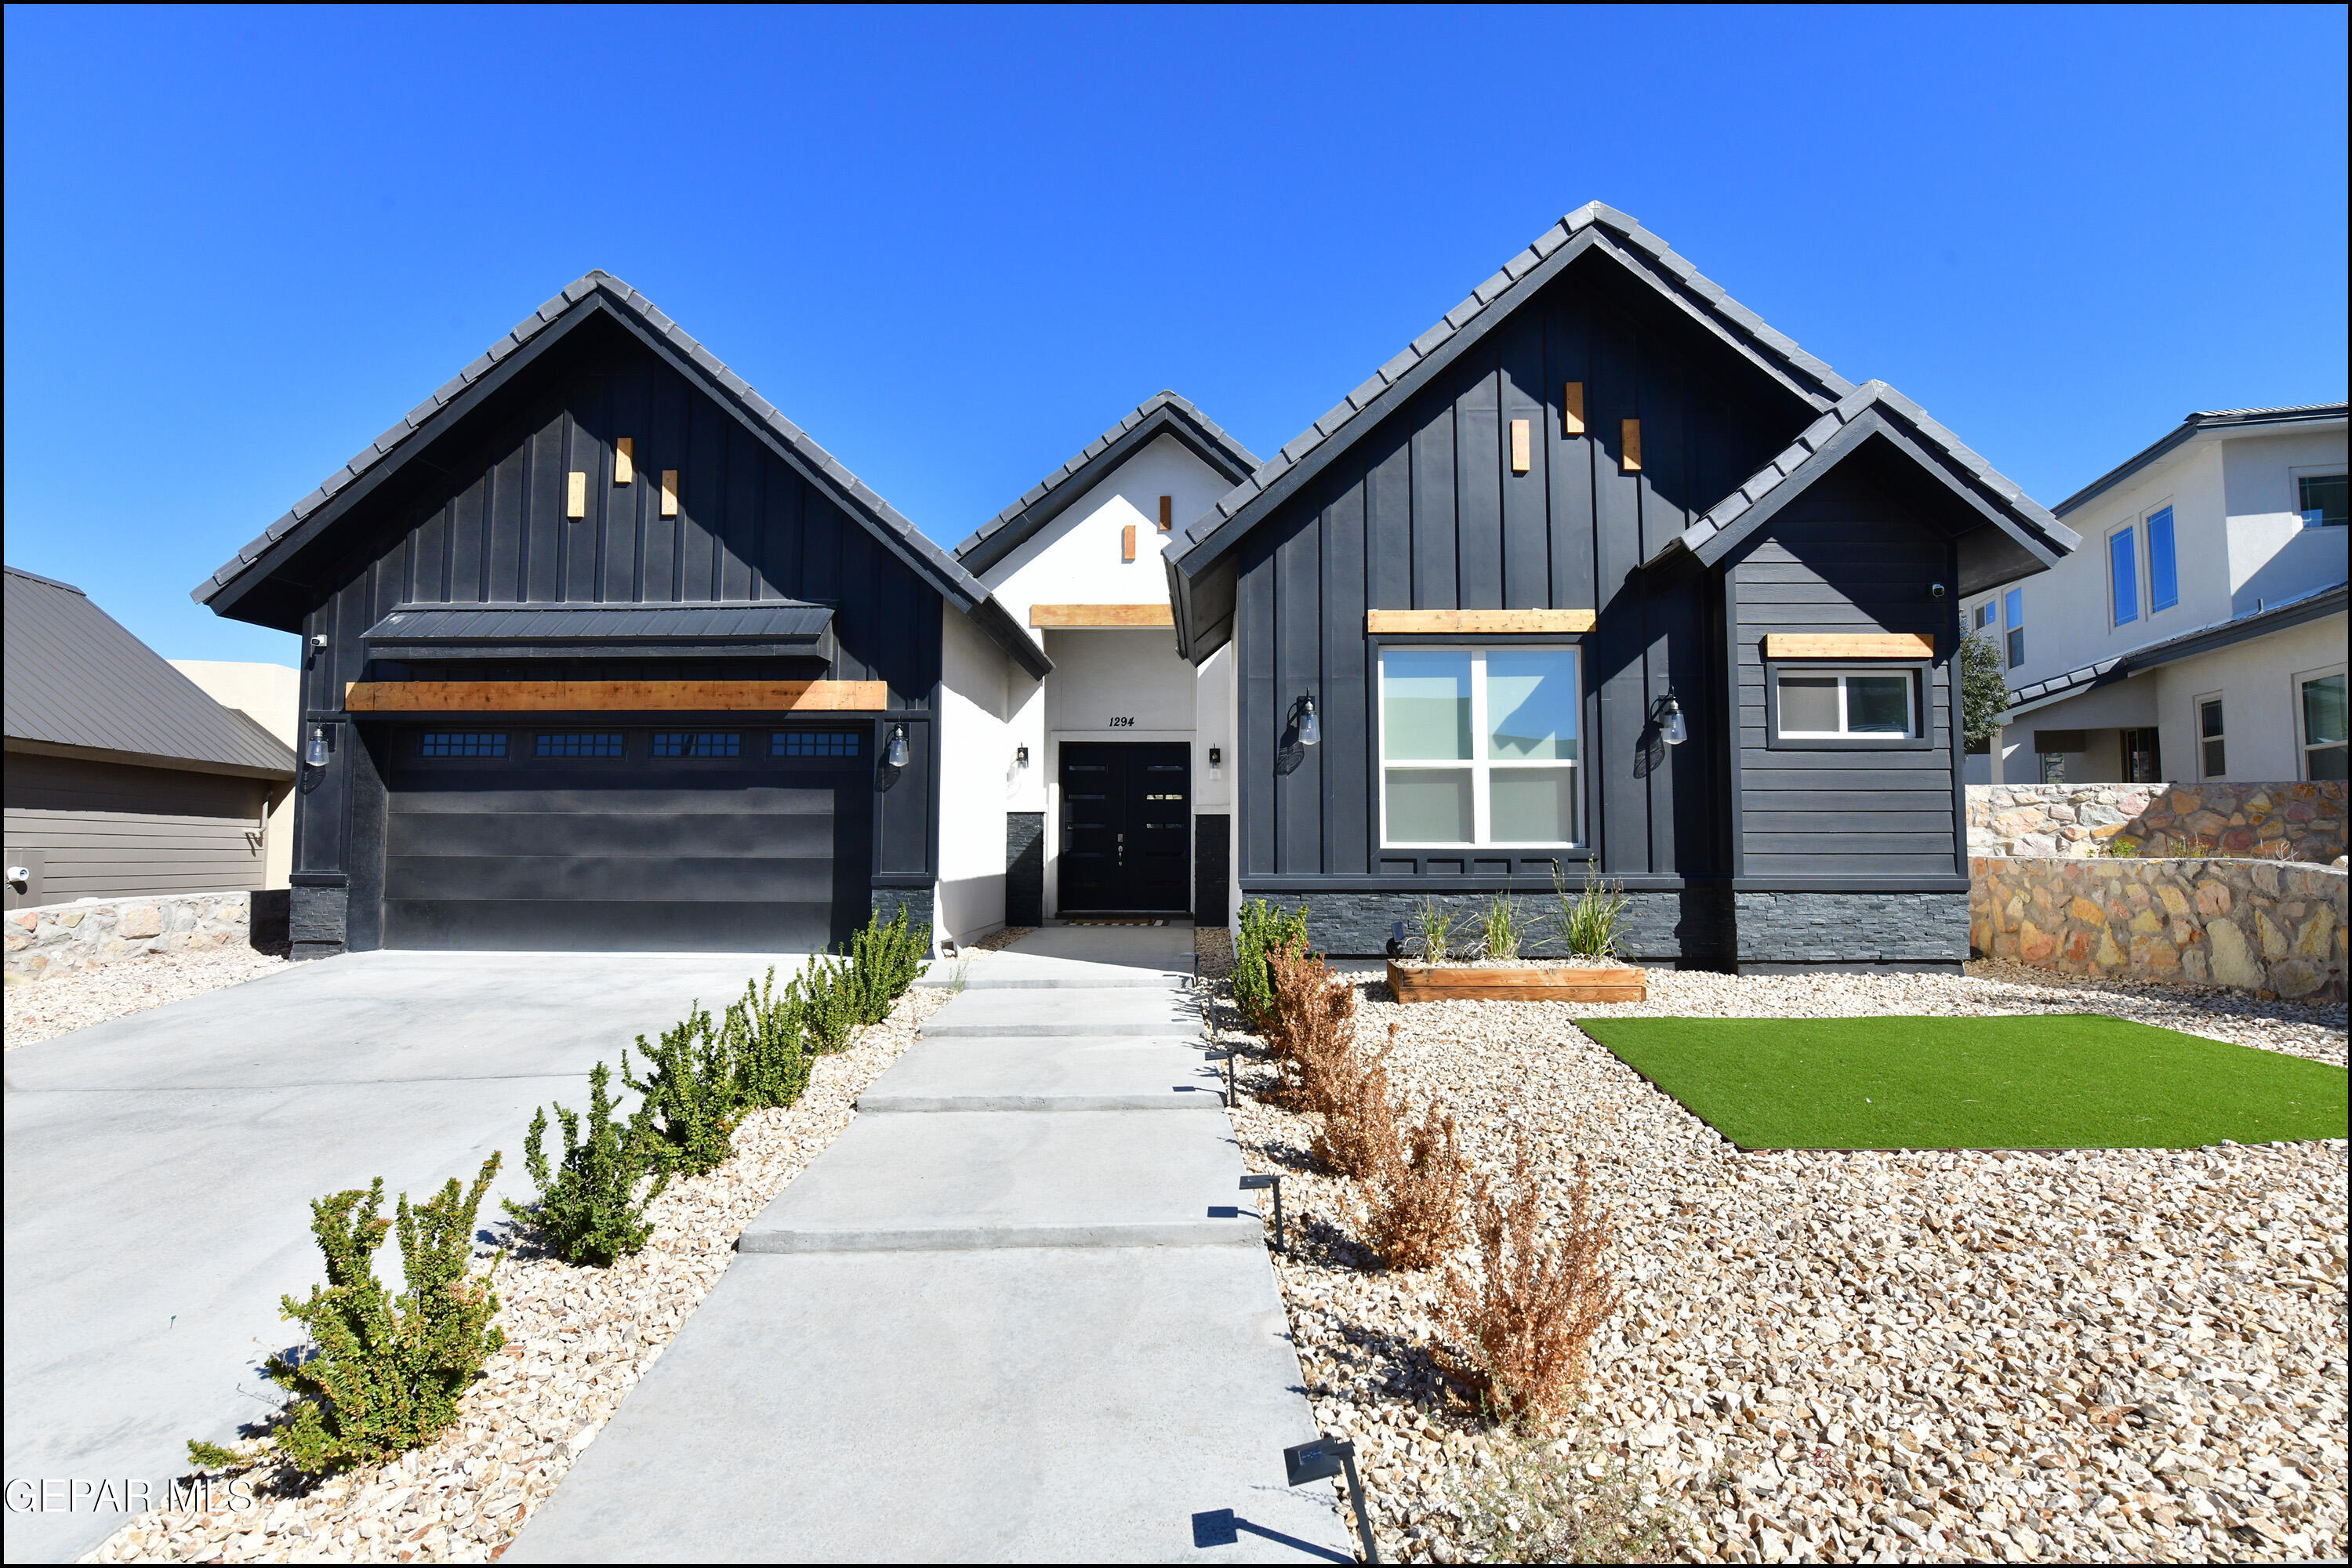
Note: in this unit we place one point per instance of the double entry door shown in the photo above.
(1127, 826)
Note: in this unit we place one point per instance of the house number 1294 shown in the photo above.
(1122, 723)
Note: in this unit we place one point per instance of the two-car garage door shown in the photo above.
(639, 839)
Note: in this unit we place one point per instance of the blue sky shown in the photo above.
(955, 245)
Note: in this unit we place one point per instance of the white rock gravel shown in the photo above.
(2108, 1354)
(578, 1339)
(60, 1003)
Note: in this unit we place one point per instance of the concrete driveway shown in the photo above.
(160, 1170)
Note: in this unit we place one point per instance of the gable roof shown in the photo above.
(592, 294)
(2190, 426)
(1875, 409)
(1591, 227)
(80, 685)
(1165, 415)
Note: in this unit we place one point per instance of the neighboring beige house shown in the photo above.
(271, 696)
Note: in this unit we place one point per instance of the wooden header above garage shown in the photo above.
(1499, 622)
(1849, 645)
(1074, 617)
(614, 696)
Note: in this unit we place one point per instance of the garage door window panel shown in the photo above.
(582, 744)
(813, 744)
(462, 743)
(697, 744)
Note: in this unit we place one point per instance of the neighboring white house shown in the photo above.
(2200, 632)
(271, 696)
(1031, 827)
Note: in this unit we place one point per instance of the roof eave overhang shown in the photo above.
(997, 624)
(1197, 552)
(2189, 431)
(37, 748)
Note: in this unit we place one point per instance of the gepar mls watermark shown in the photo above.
(136, 1494)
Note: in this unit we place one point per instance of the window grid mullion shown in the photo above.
(1481, 827)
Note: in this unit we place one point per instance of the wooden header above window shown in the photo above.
(1848, 645)
(1080, 617)
(1500, 622)
(619, 696)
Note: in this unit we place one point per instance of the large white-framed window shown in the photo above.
(1845, 704)
(2320, 723)
(2123, 574)
(1480, 746)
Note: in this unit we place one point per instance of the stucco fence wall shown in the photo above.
(2272, 928)
(2284, 821)
(55, 939)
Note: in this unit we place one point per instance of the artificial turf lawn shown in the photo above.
(2045, 1080)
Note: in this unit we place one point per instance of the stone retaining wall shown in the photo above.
(54, 938)
(2268, 821)
(2253, 925)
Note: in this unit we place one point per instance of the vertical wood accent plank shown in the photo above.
(575, 494)
(670, 493)
(1167, 513)
(1630, 446)
(1126, 542)
(624, 459)
(1522, 458)
(1571, 409)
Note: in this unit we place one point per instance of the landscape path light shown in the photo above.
(1319, 1461)
(1259, 1185)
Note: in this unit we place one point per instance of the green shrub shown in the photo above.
(384, 1372)
(883, 962)
(821, 998)
(588, 1209)
(690, 1095)
(1592, 922)
(1264, 930)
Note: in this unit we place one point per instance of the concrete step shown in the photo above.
(1077, 957)
(1016, 1179)
(1090, 1010)
(1086, 1405)
(1119, 1072)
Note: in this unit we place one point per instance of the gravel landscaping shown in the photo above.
(577, 1340)
(67, 1000)
(2112, 1354)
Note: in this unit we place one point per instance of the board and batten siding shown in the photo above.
(1424, 512)
(107, 830)
(1845, 558)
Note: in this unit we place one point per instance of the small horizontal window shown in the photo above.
(462, 743)
(813, 744)
(1839, 707)
(2321, 500)
(584, 744)
(697, 744)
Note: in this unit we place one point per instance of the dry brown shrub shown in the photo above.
(1415, 1194)
(1527, 1322)
(1350, 1087)
(1312, 1028)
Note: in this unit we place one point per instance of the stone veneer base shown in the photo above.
(56, 939)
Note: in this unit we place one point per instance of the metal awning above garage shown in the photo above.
(771, 627)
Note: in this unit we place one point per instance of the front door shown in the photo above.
(1126, 822)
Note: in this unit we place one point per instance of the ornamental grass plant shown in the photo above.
(1590, 923)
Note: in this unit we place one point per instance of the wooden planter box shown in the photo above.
(1549, 982)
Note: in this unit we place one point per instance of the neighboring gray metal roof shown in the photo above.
(1873, 405)
(77, 679)
(449, 631)
(2315, 605)
(1165, 415)
(2190, 426)
(600, 288)
(1643, 253)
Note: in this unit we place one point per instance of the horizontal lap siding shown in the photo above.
(1424, 512)
(1844, 557)
(105, 831)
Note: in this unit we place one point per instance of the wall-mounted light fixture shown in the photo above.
(894, 753)
(1671, 729)
(315, 753)
(1217, 756)
(1310, 728)
(1020, 756)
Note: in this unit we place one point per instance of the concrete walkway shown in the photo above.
(1019, 1311)
(161, 1169)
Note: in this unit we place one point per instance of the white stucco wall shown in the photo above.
(977, 776)
(2273, 557)
(1075, 559)
(271, 696)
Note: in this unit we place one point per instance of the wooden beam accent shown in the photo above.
(1500, 622)
(670, 493)
(575, 493)
(1167, 513)
(617, 696)
(1126, 542)
(624, 459)
(1521, 458)
(1629, 450)
(1848, 645)
(1571, 409)
(1069, 617)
